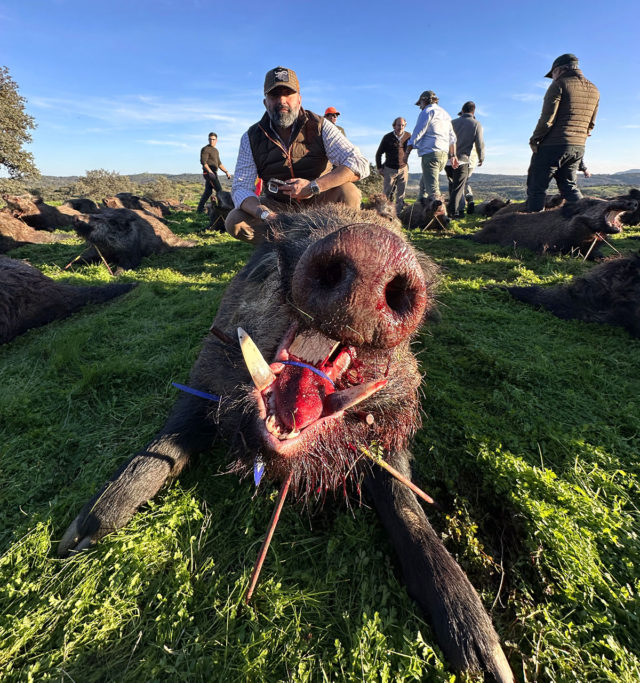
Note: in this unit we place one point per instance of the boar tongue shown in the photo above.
(299, 393)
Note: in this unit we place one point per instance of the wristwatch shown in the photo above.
(264, 214)
(313, 186)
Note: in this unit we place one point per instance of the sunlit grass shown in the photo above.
(530, 446)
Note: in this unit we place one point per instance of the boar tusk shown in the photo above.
(341, 400)
(256, 364)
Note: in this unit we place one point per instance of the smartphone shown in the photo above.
(274, 185)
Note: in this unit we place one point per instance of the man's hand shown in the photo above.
(454, 162)
(228, 175)
(211, 176)
(297, 188)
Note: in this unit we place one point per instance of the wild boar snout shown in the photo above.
(361, 285)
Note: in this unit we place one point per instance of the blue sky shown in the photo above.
(136, 86)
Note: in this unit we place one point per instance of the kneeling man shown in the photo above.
(292, 151)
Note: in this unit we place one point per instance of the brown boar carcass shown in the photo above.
(488, 208)
(219, 210)
(333, 300)
(631, 217)
(35, 213)
(124, 236)
(574, 227)
(425, 214)
(30, 299)
(82, 204)
(14, 233)
(381, 205)
(609, 293)
(126, 200)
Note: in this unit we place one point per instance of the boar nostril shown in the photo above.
(331, 274)
(399, 295)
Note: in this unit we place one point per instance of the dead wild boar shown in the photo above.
(83, 205)
(124, 237)
(14, 233)
(572, 227)
(126, 200)
(35, 213)
(631, 217)
(381, 205)
(489, 207)
(30, 299)
(219, 210)
(609, 293)
(425, 214)
(551, 201)
(332, 300)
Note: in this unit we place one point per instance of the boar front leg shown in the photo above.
(186, 433)
(435, 580)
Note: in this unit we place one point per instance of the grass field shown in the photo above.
(530, 445)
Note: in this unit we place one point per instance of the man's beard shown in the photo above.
(284, 117)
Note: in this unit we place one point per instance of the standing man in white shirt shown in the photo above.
(435, 141)
(292, 151)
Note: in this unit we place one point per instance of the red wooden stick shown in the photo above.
(265, 544)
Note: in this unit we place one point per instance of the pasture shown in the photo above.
(530, 445)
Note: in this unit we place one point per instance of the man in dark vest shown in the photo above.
(394, 171)
(292, 150)
(210, 160)
(568, 117)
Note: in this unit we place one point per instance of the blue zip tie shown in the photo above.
(309, 367)
(196, 392)
(258, 470)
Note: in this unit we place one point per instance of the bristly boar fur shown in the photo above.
(425, 214)
(15, 233)
(631, 217)
(30, 299)
(339, 292)
(35, 213)
(488, 208)
(126, 200)
(570, 228)
(381, 205)
(551, 201)
(124, 236)
(609, 293)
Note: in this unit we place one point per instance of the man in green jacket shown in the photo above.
(568, 117)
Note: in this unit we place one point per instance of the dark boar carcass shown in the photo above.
(219, 210)
(332, 300)
(82, 204)
(35, 213)
(489, 207)
(609, 293)
(425, 214)
(124, 237)
(551, 201)
(631, 217)
(15, 233)
(577, 226)
(30, 299)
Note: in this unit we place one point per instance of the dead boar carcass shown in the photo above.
(332, 299)
(123, 237)
(551, 201)
(35, 213)
(381, 205)
(425, 214)
(609, 293)
(489, 207)
(126, 200)
(30, 299)
(631, 217)
(574, 227)
(14, 233)
(82, 204)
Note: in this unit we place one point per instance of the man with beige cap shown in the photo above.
(292, 150)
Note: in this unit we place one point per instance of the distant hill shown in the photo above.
(484, 184)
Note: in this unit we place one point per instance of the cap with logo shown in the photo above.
(331, 110)
(563, 60)
(281, 76)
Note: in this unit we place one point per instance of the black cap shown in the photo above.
(563, 60)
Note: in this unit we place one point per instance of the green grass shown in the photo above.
(530, 446)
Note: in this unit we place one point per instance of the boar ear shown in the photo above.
(634, 193)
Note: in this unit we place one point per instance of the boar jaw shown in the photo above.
(299, 402)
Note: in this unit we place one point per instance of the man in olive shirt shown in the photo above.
(568, 117)
(210, 160)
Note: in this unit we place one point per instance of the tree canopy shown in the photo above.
(15, 125)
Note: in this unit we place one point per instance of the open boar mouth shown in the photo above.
(612, 219)
(312, 380)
